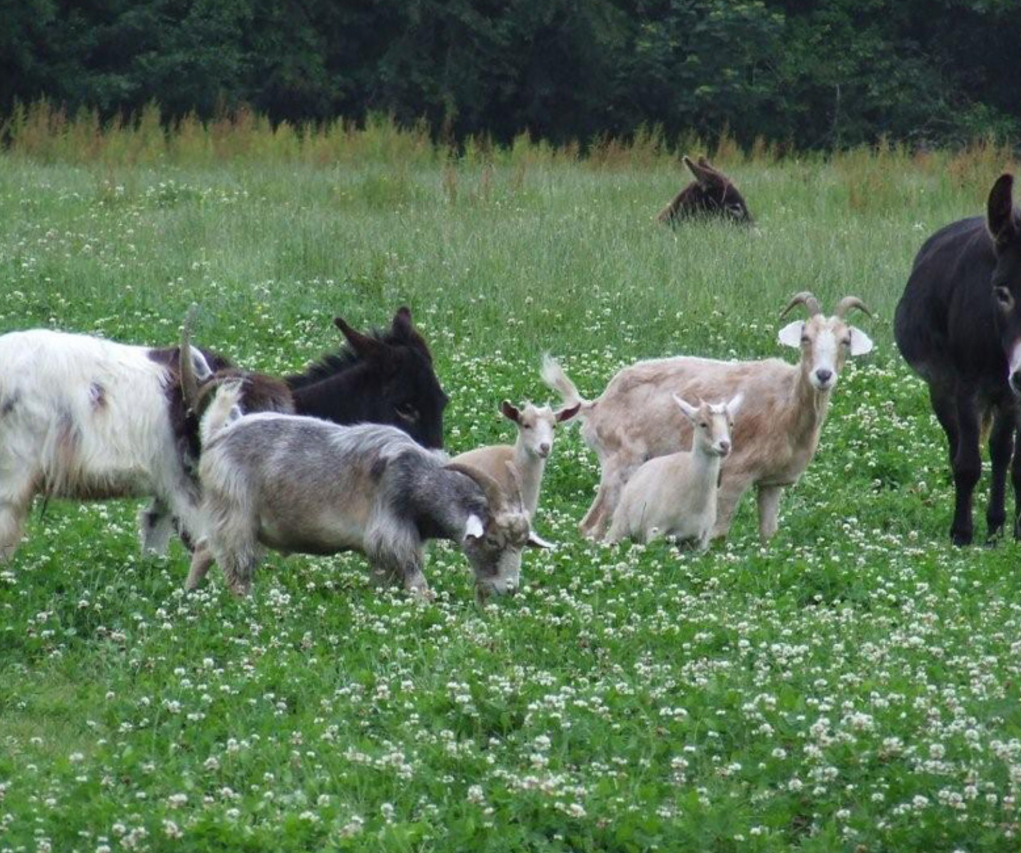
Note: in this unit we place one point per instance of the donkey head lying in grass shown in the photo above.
(710, 196)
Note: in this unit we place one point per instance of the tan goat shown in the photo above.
(528, 454)
(782, 413)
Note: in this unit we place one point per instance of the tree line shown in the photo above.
(800, 73)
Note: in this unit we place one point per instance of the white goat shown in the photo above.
(675, 495)
(785, 406)
(87, 419)
(528, 454)
(302, 485)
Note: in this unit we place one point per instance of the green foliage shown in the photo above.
(813, 75)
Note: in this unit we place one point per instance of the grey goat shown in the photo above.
(302, 485)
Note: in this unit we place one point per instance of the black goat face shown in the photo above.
(1004, 225)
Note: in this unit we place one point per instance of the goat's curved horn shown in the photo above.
(495, 496)
(189, 383)
(849, 302)
(804, 298)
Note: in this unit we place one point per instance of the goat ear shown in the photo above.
(568, 412)
(1000, 211)
(690, 411)
(363, 345)
(536, 541)
(200, 366)
(860, 342)
(734, 404)
(473, 528)
(790, 335)
(509, 411)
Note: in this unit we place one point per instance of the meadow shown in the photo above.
(854, 685)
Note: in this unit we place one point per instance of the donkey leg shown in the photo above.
(946, 413)
(967, 466)
(1001, 448)
(1015, 479)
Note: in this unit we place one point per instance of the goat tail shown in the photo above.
(553, 375)
(223, 411)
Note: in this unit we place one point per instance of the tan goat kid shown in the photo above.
(782, 414)
(528, 455)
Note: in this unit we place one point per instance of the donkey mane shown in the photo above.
(333, 364)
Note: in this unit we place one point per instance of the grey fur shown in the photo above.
(299, 484)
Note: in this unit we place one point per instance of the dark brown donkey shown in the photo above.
(710, 196)
(958, 325)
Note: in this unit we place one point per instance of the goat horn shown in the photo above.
(495, 496)
(849, 302)
(804, 298)
(189, 384)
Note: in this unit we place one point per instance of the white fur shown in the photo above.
(676, 495)
(81, 418)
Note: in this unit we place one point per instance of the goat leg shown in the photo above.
(768, 499)
(201, 560)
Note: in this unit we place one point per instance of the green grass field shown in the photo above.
(853, 686)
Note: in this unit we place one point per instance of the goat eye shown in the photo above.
(407, 412)
(1004, 297)
(846, 342)
(704, 425)
(804, 339)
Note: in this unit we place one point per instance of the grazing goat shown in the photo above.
(958, 325)
(675, 495)
(299, 484)
(382, 377)
(87, 419)
(784, 409)
(710, 196)
(527, 456)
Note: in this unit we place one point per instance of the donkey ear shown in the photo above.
(696, 170)
(363, 345)
(790, 335)
(1000, 211)
(510, 411)
(404, 331)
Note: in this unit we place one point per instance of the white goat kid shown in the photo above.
(784, 409)
(529, 453)
(675, 495)
(86, 418)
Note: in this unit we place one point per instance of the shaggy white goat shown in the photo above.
(675, 495)
(528, 454)
(784, 409)
(303, 485)
(85, 418)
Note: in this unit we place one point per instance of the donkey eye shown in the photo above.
(1004, 297)
(407, 412)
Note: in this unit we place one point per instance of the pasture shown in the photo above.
(853, 686)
